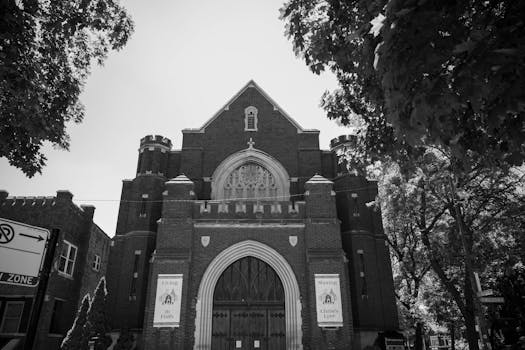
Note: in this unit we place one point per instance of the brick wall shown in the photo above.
(327, 234)
(179, 250)
(75, 225)
(371, 283)
(99, 245)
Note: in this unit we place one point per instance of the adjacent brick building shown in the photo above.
(249, 216)
(80, 261)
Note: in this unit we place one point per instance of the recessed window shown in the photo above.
(133, 288)
(68, 255)
(96, 263)
(364, 289)
(250, 119)
(57, 322)
(143, 203)
(12, 316)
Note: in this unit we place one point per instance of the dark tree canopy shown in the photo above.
(46, 51)
(77, 338)
(97, 322)
(448, 73)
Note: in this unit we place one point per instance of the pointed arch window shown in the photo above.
(250, 119)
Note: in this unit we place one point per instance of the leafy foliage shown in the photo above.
(410, 264)
(436, 88)
(76, 337)
(421, 220)
(46, 51)
(450, 74)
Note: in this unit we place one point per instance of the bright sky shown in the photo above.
(185, 60)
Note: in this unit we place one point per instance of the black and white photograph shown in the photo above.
(262, 174)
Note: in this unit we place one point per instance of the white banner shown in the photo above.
(328, 300)
(167, 301)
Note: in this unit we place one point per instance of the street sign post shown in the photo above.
(492, 300)
(21, 252)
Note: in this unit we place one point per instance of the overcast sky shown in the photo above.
(185, 60)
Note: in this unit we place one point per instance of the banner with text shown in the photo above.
(167, 301)
(328, 300)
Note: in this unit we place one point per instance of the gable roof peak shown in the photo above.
(250, 84)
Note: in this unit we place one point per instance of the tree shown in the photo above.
(472, 228)
(409, 263)
(46, 52)
(97, 325)
(444, 73)
(425, 77)
(76, 338)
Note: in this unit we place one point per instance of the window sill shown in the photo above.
(65, 275)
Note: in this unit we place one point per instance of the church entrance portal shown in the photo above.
(249, 308)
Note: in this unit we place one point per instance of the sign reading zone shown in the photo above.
(21, 252)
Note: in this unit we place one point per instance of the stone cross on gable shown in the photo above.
(251, 143)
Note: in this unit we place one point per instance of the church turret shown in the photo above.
(364, 243)
(339, 146)
(153, 155)
(141, 198)
(139, 212)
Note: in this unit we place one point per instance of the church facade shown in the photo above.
(249, 237)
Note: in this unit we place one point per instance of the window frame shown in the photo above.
(53, 320)
(68, 260)
(247, 115)
(97, 262)
(2, 324)
(143, 210)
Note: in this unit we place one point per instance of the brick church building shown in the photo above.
(249, 237)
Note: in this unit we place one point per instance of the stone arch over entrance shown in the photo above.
(292, 298)
(251, 156)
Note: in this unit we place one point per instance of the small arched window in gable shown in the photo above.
(250, 119)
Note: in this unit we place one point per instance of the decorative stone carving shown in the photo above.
(245, 182)
(250, 181)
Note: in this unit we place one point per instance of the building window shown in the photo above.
(355, 205)
(250, 119)
(56, 324)
(12, 316)
(133, 288)
(68, 256)
(364, 289)
(96, 263)
(142, 213)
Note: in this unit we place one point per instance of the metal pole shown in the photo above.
(41, 289)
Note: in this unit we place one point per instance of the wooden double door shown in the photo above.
(248, 309)
(248, 328)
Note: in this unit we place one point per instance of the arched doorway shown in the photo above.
(248, 308)
(292, 297)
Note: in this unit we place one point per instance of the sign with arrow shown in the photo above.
(22, 249)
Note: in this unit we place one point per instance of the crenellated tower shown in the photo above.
(139, 212)
(364, 242)
(338, 146)
(153, 155)
(141, 198)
